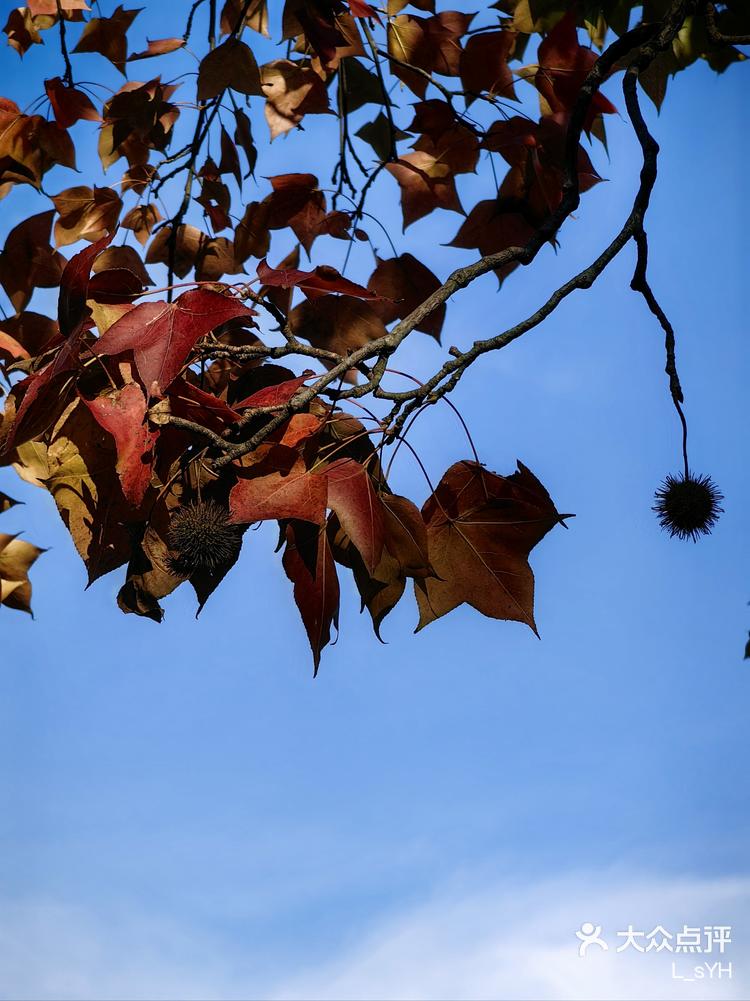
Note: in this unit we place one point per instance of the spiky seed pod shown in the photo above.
(688, 505)
(201, 538)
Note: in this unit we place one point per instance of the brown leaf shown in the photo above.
(564, 64)
(33, 331)
(230, 65)
(187, 248)
(30, 146)
(404, 283)
(426, 184)
(158, 47)
(309, 566)
(338, 323)
(255, 16)
(252, 237)
(484, 64)
(22, 30)
(108, 36)
(84, 485)
(68, 104)
(141, 220)
(16, 559)
(85, 214)
(481, 528)
(490, 230)
(297, 202)
(28, 261)
(292, 91)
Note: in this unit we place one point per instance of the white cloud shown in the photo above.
(507, 939)
(513, 941)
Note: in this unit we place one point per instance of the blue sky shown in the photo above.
(185, 812)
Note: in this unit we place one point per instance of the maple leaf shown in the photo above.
(30, 146)
(68, 104)
(28, 261)
(309, 565)
(85, 487)
(85, 214)
(122, 413)
(149, 575)
(297, 202)
(74, 284)
(484, 64)
(404, 283)
(563, 66)
(316, 283)
(405, 554)
(278, 485)
(16, 559)
(138, 118)
(49, 7)
(22, 31)
(230, 158)
(161, 335)
(358, 508)
(230, 65)
(481, 528)
(425, 183)
(33, 332)
(10, 349)
(141, 219)
(158, 47)
(292, 91)
(187, 248)
(339, 323)
(489, 228)
(108, 36)
(255, 16)
(430, 43)
(275, 394)
(118, 264)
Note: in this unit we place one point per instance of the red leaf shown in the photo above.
(318, 282)
(279, 486)
(309, 566)
(193, 404)
(74, 283)
(358, 508)
(123, 414)
(564, 64)
(69, 105)
(162, 334)
(361, 9)
(270, 396)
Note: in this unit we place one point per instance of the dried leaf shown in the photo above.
(108, 36)
(481, 528)
(230, 65)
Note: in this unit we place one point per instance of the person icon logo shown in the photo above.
(590, 934)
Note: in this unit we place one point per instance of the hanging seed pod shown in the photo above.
(688, 505)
